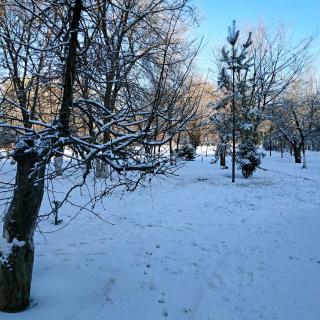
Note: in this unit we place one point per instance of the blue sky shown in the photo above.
(300, 18)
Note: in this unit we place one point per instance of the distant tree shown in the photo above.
(252, 77)
(296, 114)
(194, 133)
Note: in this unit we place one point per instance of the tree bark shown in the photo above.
(19, 224)
(304, 163)
(58, 164)
(281, 147)
(102, 169)
(171, 151)
(296, 153)
(223, 158)
(178, 141)
(20, 220)
(270, 147)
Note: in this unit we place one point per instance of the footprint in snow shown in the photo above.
(165, 313)
(294, 258)
(161, 300)
(186, 310)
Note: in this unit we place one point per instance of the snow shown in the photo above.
(7, 247)
(194, 247)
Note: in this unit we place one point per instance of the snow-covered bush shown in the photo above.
(248, 158)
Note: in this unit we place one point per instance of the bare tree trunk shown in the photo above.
(58, 163)
(178, 141)
(171, 151)
(19, 224)
(102, 169)
(223, 158)
(270, 146)
(296, 153)
(304, 163)
(17, 253)
(281, 147)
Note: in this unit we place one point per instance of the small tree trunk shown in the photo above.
(18, 228)
(171, 151)
(148, 151)
(178, 141)
(102, 169)
(281, 147)
(304, 163)
(58, 163)
(296, 153)
(222, 158)
(270, 146)
(56, 212)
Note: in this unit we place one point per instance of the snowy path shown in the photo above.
(195, 247)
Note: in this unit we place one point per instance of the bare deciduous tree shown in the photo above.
(108, 95)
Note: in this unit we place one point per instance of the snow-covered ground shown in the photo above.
(194, 247)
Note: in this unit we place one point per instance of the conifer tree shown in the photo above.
(235, 65)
